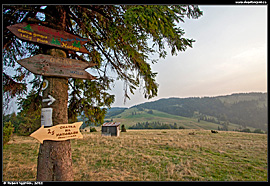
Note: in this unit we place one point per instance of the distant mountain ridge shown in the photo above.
(246, 109)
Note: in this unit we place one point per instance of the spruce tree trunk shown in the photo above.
(55, 158)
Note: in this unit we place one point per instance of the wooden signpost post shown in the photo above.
(48, 36)
(59, 132)
(48, 65)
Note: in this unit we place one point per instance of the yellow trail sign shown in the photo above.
(59, 132)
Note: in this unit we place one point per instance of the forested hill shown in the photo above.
(246, 109)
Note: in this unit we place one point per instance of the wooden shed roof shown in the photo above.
(111, 124)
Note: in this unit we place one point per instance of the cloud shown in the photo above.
(251, 53)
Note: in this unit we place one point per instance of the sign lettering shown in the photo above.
(58, 132)
(44, 35)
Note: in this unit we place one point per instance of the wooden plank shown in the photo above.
(59, 132)
(48, 65)
(48, 36)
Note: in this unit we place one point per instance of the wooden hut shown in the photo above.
(110, 129)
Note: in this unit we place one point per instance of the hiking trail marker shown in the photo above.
(50, 100)
(45, 84)
(46, 117)
(48, 65)
(48, 36)
(59, 132)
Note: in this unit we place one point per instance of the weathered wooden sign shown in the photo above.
(48, 65)
(59, 132)
(48, 36)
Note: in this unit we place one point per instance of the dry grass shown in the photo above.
(151, 155)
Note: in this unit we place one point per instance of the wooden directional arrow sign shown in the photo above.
(48, 36)
(48, 65)
(59, 132)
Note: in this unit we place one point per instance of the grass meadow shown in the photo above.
(150, 155)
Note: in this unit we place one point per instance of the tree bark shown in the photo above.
(55, 158)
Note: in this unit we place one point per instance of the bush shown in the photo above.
(93, 129)
(150, 112)
(123, 129)
(259, 131)
(7, 132)
(246, 130)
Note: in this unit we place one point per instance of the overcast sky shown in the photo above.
(229, 56)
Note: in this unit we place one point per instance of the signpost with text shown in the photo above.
(54, 158)
(59, 132)
(57, 66)
(48, 36)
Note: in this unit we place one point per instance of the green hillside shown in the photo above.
(130, 117)
(240, 111)
(244, 109)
